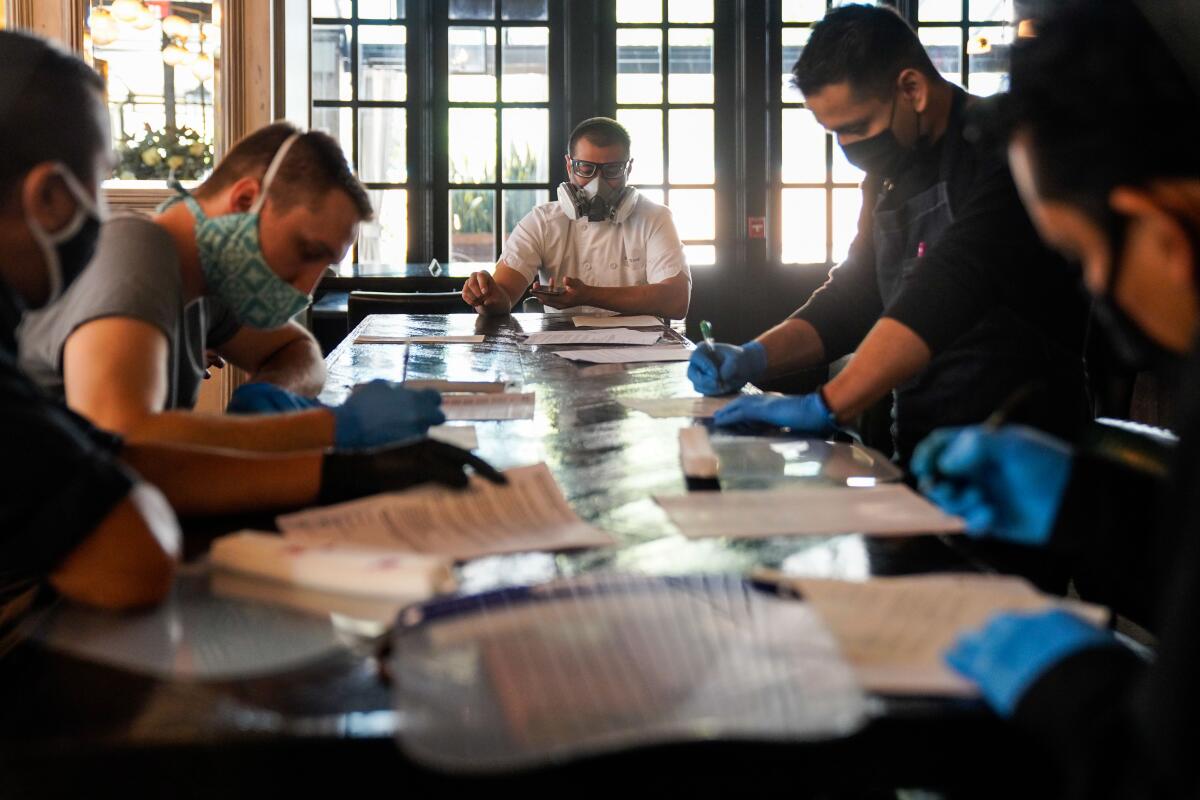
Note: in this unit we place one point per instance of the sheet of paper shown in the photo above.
(698, 407)
(640, 321)
(488, 406)
(459, 387)
(463, 436)
(626, 355)
(894, 630)
(333, 568)
(601, 336)
(528, 514)
(369, 339)
(888, 510)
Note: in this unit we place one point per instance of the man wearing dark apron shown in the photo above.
(947, 298)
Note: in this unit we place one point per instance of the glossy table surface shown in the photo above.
(387, 277)
(220, 668)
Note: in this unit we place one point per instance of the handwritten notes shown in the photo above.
(626, 355)
(603, 336)
(639, 321)
(488, 406)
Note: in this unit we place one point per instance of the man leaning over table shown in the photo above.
(600, 245)
(225, 267)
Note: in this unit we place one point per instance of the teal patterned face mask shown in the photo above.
(232, 260)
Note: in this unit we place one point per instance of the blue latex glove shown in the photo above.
(267, 398)
(1006, 483)
(806, 412)
(724, 368)
(382, 412)
(1013, 650)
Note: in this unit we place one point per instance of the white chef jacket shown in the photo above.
(643, 249)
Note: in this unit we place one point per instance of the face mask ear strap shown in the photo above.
(273, 168)
(97, 208)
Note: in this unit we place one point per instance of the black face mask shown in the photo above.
(880, 155)
(1132, 346)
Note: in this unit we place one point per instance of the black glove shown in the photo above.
(349, 475)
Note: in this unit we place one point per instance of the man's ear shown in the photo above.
(43, 194)
(240, 197)
(914, 87)
(1165, 239)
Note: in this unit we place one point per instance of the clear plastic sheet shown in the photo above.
(530, 675)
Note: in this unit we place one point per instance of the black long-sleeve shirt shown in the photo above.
(991, 255)
(1118, 726)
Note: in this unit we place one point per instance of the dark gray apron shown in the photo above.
(978, 372)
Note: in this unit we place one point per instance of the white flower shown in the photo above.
(175, 162)
(151, 158)
(197, 149)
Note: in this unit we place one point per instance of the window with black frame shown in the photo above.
(668, 105)
(498, 121)
(982, 30)
(360, 96)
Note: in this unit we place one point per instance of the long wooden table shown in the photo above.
(315, 705)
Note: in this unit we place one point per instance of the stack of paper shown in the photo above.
(626, 355)
(894, 631)
(888, 510)
(608, 336)
(641, 321)
(488, 406)
(528, 513)
(333, 569)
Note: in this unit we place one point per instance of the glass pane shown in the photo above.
(695, 212)
(381, 62)
(338, 123)
(691, 65)
(944, 46)
(524, 9)
(381, 9)
(639, 66)
(940, 11)
(803, 226)
(526, 145)
(518, 203)
(689, 11)
(645, 128)
(793, 41)
(472, 9)
(846, 205)
(639, 11)
(526, 65)
(988, 58)
(472, 145)
(472, 225)
(843, 170)
(989, 10)
(382, 147)
(156, 131)
(803, 147)
(700, 254)
(331, 8)
(803, 10)
(331, 62)
(385, 238)
(691, 150)
(472, 56)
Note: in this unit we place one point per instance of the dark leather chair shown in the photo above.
(362, 304)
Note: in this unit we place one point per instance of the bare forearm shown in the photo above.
(498, 302)
(792, 345)
(298, 367)
(198, 481)
(665, 299)
(259, 433)
(889, 355)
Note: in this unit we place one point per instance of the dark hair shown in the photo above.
(865, 46)
(1104, 102)
(314, 166)
(600, 131)
(46, 95)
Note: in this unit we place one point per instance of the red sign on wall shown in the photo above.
(756, 227)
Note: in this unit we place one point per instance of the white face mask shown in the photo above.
(68, 250)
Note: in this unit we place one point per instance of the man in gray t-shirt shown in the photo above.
(134, 274)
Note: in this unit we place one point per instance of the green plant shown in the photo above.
(472, 210)
(155, 154)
